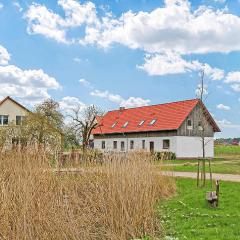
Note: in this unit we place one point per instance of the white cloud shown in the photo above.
(45, 22)
(85, 83)
(115, 98)
(173, 27)
(172, 63)
(67, 104)
(30, 86)
(223, 107)
(224, 123)
(4, 56)
(168, 63)
(17, 6)
(199, 90)
(236, 87)
(1, 6)
(232, 77)
(220, 1)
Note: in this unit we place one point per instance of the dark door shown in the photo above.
(151, 146)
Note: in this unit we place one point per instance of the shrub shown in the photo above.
(164, 156)
(114, 202)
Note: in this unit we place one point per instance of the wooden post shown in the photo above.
(217, 192)
(210, 172)
(198, 173)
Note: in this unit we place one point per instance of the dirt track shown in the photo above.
(216, 176)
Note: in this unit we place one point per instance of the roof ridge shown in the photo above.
(187, 100)
(14, 101)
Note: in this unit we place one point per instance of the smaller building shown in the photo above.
(176, 127)
(11, 112)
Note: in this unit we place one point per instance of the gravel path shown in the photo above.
(216, 176)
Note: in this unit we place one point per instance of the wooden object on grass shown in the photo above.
(213, 197)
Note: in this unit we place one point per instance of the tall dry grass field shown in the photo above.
(115, 201)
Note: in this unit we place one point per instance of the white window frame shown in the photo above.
(168, 144)
(141, 123)
(153, 122)
(2, 118)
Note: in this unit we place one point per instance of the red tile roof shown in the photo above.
(169, 116)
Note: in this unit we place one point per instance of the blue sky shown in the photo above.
(122, 53)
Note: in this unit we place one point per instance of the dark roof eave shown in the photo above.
(157, 130)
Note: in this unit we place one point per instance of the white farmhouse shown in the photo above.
(175, 127)
(11, 112)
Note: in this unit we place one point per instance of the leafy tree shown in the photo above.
(45, 123)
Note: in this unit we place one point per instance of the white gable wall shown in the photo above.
(12, 110)
(191, 147)
(182, 146)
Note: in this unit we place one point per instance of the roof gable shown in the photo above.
(15, 102)
(168, 116)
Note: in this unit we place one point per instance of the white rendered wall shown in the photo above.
(183, 146)
(158, 143)
(191, 147)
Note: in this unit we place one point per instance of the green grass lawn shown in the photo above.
(227, 150)
(230, 168)
(187, 216)
(227, 160)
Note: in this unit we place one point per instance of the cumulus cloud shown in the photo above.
(44, 21)
(232, 77)
(115, 98)
(67, 104)
(4, 56)
(223, 107)
(166, 34)
(174, 26)
(173, 63)
(30, 86)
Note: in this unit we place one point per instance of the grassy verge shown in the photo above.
(227, 168)
(187, 215)
(226, 150)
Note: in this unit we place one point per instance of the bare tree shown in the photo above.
(202, 131)
(84, 121)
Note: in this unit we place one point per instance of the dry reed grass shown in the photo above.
(115, 203)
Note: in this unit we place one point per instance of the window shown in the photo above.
(141, 123)
(189, 124)
(200, 128)
(131, 144)
(19, 120)
(103, 144)
(166, 144)
(125, 124)
(122, 146)
(151, 147)
(153, 121)
(143, 144)
(3, 120)
(114, 124)
(114, 144)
